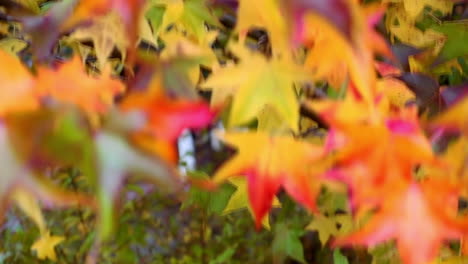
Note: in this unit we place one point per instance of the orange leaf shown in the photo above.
(166, 117)
(270, 162)
(70, 84)
(420, 217)
(17, 91)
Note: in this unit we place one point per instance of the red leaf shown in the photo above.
(419, 216)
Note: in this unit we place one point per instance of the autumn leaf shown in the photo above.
(189, 17)
(333, 57)
(367, 170)
(353, 137)
(287, 243)
(45, 246)
(263, 160)
(265, 14)
(46, 243)
(406, 216)
(456, 34)
(177, 45)
(92, 95)
(453, 167)
(239, 200)
(107, 32)
(414, 8)
(328, 226)
(167, 117)
(17, 86)
(254, 83)
(13, 45)
(397, 93)
(403, 27)
(346, 35)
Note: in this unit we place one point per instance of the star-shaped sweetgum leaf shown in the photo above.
(92, 95)
(419, 216)
(270, 162)
(256, 82)
(368, 169)
(45, 246)
(240, 200)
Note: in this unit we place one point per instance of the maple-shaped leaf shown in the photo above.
(46, 243)
(256, 82)
(287, 243)
(419, 216)
(107, 32)
(128, 10)
(333, 57)
(270, 162)
(239, 200)
(343, 24)
(179, 46)
(265, 14)
(328, 226)
(189, 17)
(414, 8)
(44, 247)
(17, 86)
(402, 26)
(92, 95)
(367, 170)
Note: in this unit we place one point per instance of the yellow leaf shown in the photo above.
(269, 162)
(264, 14)
(395, 91)
(256, 82)
(106, 33)
(270, 120)
(330, 226)
(13, 45)
(414, 7)
(45, 246)
(239, 200)
(333, 51)
(402, 26)
(146, 33)
(173, 12)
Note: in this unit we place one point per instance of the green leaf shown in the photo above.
(457, 37)
(338, 258)
(287, 243)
